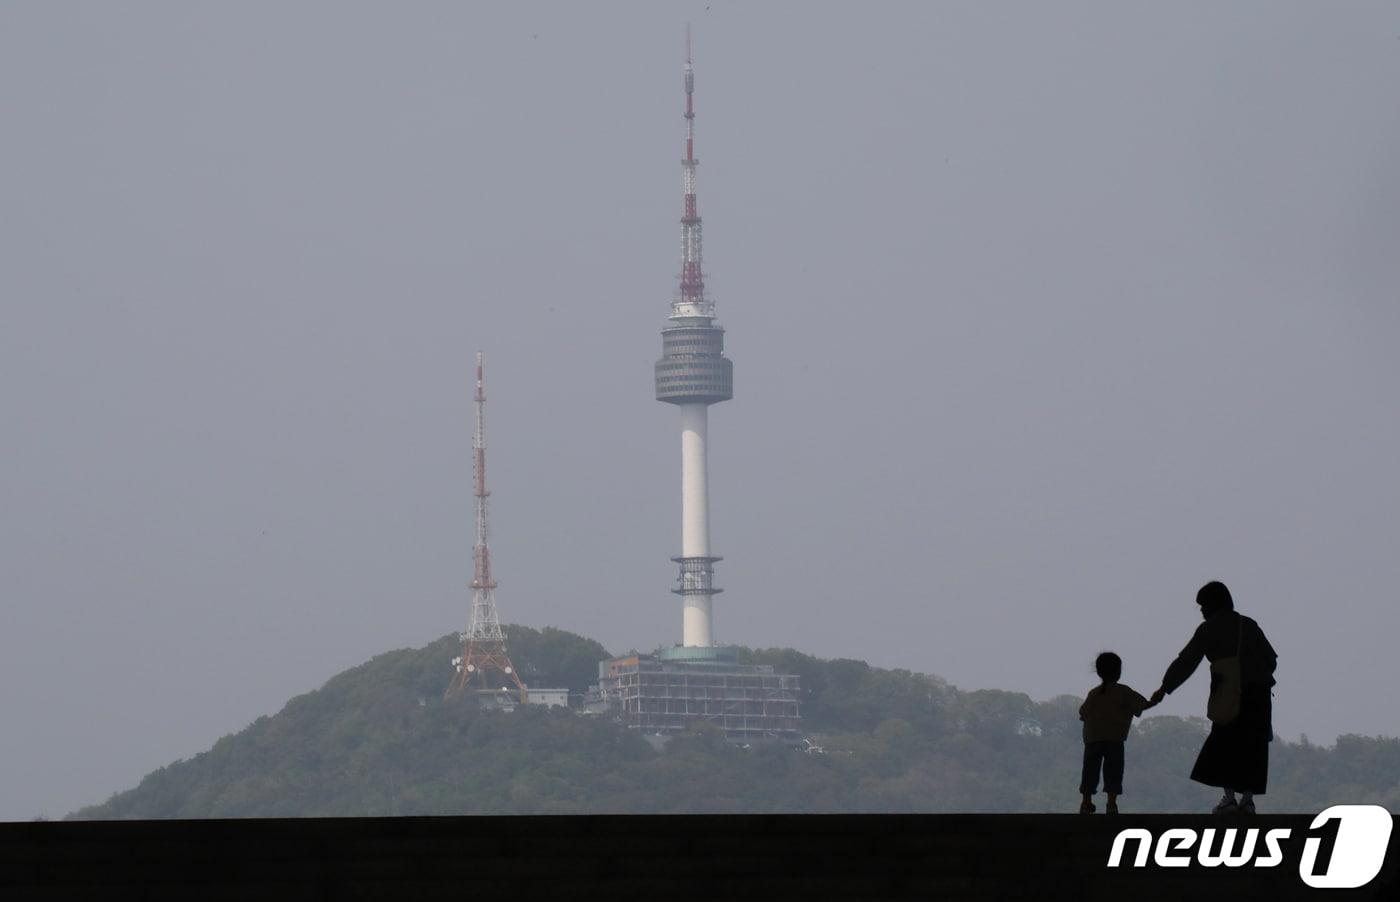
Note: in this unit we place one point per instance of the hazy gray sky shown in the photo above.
(1042, 315)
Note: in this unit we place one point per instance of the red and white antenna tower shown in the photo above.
(691, 300)
(692, 374)
(484, 643)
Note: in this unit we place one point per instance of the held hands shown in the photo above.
(1156, 698)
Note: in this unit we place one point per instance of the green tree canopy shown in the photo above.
(380, 739)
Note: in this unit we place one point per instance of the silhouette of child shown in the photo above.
(1107, 712)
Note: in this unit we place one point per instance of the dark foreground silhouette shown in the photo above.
(809, 857)
(1235, 755)
(1108, 713)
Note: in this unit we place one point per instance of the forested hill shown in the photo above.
(379, 739)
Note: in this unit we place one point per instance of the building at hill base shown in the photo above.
(682, 686)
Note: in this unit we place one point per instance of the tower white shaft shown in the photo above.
(696, 625)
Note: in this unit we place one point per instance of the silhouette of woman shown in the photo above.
(1235, 756)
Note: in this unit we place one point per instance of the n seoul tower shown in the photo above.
(692, 374)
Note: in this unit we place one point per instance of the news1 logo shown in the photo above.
(1358, 846)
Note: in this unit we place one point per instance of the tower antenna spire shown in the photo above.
(484, 643)
(691, 299)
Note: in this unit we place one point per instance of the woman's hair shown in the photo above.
(1213, 596)
(1109, 667)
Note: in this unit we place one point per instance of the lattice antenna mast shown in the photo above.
(691, 299)
(484, 643)
(485, 623)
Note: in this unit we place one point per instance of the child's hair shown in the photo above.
(1109, 667)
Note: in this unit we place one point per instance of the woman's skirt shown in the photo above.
(1236, 755)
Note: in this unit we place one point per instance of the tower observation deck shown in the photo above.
(693, 373)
